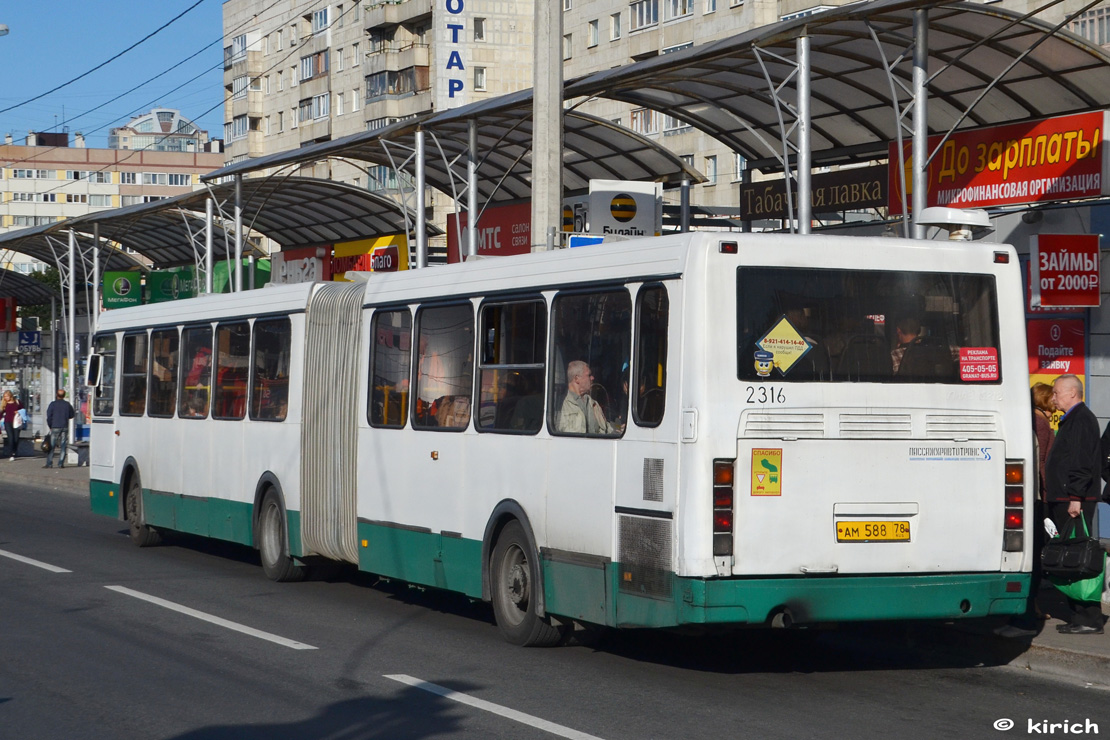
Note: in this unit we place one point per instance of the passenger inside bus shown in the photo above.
(580, 413)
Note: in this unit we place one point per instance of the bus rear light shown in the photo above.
(728, 248)
(1002, 258)
(723, 499)
(1013, 541)
(1013, 515)
(1015, 518)
(1015, 472)
(1015, 496)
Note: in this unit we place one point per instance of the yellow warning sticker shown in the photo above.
(785, 343)
(767, 472)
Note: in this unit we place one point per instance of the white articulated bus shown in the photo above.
(696, 429)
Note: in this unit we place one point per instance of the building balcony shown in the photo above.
(397, 57)
(395, 12)
(313, 131)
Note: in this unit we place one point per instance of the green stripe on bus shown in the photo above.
(423, 558)
(207, 517)
(104, 498)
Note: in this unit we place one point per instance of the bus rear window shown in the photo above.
(873, 326)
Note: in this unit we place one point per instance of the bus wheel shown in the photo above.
(276, 564)
(512, 579)
(141, 534)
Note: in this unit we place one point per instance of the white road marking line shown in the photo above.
(525, 719)
(213, 619)
(36, 563)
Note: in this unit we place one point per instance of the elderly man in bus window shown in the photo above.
(581, 414)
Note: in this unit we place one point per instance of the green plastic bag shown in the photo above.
(1087, 589)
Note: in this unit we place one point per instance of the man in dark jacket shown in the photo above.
(58, 414)
(1073, 472)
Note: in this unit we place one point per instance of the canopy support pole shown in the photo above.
(421, 218)
(94, 322)
(238, 233)
(208, 206)
(547, 124)
(71, 330)
(805, 168)
(684, 207)
(920, 118)
(472, 189)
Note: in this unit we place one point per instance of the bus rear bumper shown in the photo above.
(834, 599)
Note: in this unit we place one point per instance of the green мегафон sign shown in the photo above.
(170, 285)
(122, 289)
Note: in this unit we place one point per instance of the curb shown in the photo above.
(1072, 665)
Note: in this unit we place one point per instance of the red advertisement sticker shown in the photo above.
(978, 363)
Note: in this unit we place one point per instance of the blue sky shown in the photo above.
(53, 42)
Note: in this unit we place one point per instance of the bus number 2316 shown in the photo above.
(766, 394)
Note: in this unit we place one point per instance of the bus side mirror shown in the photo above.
(92, 371)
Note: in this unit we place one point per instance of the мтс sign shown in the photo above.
(1064, 270)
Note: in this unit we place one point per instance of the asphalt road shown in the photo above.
(189, 640)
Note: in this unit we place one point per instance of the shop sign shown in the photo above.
(843, 190)
(1056, 347)
(170, 285)
(502, 231)
(379, 254)
(1053, 159)
(1064, 270)
(304, 265)
(122, 289)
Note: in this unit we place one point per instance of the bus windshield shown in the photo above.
(876, 326)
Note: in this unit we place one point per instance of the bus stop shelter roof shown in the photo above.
(49, 243)
(987, 66)
(303, 211)
(593, 148)
(25, 289)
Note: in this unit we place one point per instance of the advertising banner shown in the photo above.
(1056, 347)
(1064, 270)
(304, 265)
(122, 289)
(8, 314)
(502, 230)
(1053, 159)
(380, 254)
(170, 285)
(625, 207)
(843, 190)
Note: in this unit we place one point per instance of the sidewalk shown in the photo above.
(1080, 658)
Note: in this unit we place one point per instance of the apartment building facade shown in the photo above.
(44, 184)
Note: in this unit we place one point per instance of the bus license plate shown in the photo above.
(859, 531)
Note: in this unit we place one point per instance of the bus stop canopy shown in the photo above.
(593, 148)
(49, 243)
(25, 289)
(987, 66)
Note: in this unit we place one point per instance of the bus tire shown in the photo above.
(140, 532)
(513, 573)
(277, 564)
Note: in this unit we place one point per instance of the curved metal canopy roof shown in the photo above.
(593, 148)
(987, 66)
(26, 290)
(301, 211)
(49, 243)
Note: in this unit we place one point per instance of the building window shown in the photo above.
(281, 121)
(644, 13)
(614, 26)
(100, 201)
(592, 33)
(293, 76)
(645, 121)
(338, 103)
(339, 16)
(568, 4)
(741, 164)
(238, 127)
(321, 105)
(239, 48)
(672, 126)
(479, 29)
(127, 178)
(180, 180)
(676, 9)
(355, 100)
(735, 3)
(567, 41)
(161, 178)
(314, 65)
(239, 88)
(710, 6)
(479, 78)
(687, 159)
(292, 118)
(1093, 25)
(711, 170)
(281, 80)
(339, 60)
(269, 86)
(356, 58)
(320, 20)
(293, 35)
(354, 12)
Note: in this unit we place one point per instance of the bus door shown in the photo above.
(102, 431)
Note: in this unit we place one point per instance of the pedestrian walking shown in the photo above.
(1073, 475)
(13, 422)
(58, 414)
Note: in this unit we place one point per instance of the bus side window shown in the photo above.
(233, 344)
(270, 383)
(105, 394)
(652, 313)
(444, 367)
(390, 358)
(511, 367)
(133, 380)
(163, 372)
(196, 349)
(591, 350)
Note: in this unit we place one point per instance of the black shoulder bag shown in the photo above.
(1072, 555)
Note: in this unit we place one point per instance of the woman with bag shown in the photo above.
(10, 408)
